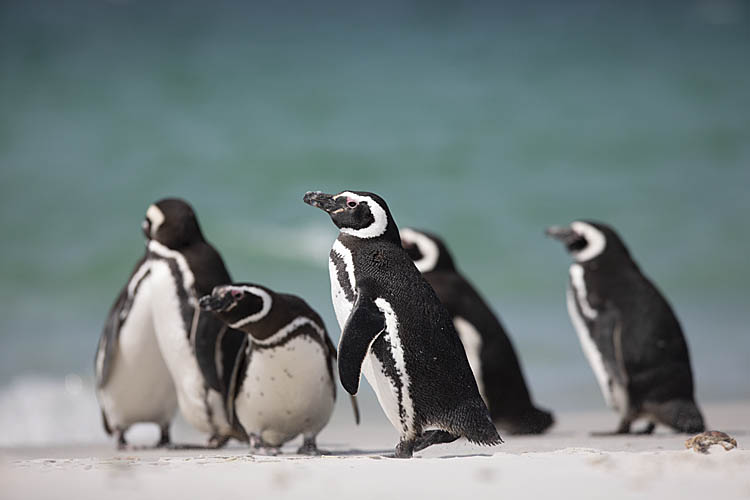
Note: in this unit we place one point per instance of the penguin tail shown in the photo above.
(474, 423)
(532, 421)
(682, 415)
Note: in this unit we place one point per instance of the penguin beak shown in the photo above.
(561, 233)
(216, 303)
(321, 200)
(572, 240)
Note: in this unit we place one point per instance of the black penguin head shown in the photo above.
(172, 222)
(356, 213)
(588, 240)
(239, 305)
(427, 250)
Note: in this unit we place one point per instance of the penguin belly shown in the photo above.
(140, 387)
(287, 391)
(472, 342)
(388, 374)
(199, 404)
(374, 371)
(384, 387)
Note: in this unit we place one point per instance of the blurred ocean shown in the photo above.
(483, 122)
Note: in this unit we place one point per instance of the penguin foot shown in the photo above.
(164, 439)
(428, 438)
(405, 448)
(310, 448)
(260, 447)
(623, 428)
(268, 451)
(217, 442)
(648, 430)
(121, 443)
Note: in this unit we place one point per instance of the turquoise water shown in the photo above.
(483, 123)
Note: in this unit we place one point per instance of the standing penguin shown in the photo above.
(396, 330)
(628, 332)
(200, 350)
(287, 386)
(133, 383)
(489, 350)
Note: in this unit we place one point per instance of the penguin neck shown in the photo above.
(390, 235)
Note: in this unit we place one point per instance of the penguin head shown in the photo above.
(427, 250)
(356, 213)
(238, 304)
(172, 222)
(587, 240)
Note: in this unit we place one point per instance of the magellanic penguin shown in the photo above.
(628, 332)
(133, 383)
(489, 350)
(396, 330)
(287, 386)
(199, 349)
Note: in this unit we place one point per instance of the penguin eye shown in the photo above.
(351, 203)
(237, 294)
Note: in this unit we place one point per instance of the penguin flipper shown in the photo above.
(365, 324)
(606, 332)
(235, 381)
(107, 348)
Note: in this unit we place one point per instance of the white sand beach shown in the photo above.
(566, 463)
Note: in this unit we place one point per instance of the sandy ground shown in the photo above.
(565, 463)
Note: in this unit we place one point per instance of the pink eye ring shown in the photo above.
(351, 203)
(237, 294)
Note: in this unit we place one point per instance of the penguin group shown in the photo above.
(242, 361)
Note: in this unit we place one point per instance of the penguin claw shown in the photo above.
(267, 451)
(311, 449)
(217, 442)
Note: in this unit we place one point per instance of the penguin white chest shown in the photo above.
(472, 342)
(343, 283)
(140, 387)
(196, 400)
(287, 391)
(392, 387)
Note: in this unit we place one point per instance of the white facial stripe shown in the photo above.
(579, 285)
(289, 328)
(427, 248)
(594, 237)
(187, 275)
(397, 350)
(375, 229)
(267, 303)
(156, 216)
